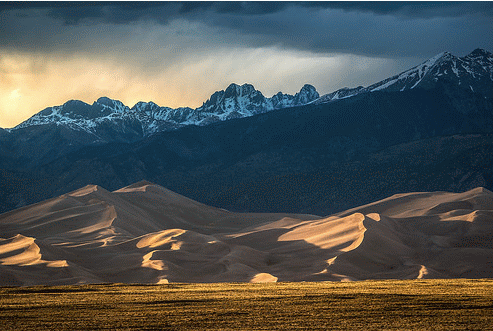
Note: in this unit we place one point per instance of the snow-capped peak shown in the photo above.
(145, 107)
(307, 94)
(413, 77)
(473, 72)
(113, 105)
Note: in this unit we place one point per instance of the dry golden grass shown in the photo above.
(367, 305)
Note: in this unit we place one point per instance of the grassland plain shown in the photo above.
(456, 304)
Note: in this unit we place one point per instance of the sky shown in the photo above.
(178, 53)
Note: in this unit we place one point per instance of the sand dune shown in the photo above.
(145, 233)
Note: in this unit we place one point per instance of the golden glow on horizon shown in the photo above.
(31, 83)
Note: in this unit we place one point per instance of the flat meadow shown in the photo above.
(455, 304)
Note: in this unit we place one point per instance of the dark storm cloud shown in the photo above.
(387, 29)
(116, 13)
(363, 32)
(410, 9)
(74, 13)
(162, 12)
(127, 12)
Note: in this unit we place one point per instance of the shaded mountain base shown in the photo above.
(453, 164)
(18, 189)
(266, 182)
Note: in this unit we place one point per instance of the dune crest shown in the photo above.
(23, 251)
(144, 233)
(161, 238)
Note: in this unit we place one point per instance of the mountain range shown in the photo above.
(106, 116)
(473, 72)
(426, 129)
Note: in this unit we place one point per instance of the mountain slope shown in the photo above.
(145, 233)
(472, 72)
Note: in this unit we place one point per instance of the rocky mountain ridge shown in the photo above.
(146, 118)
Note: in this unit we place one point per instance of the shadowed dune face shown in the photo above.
(145, 233)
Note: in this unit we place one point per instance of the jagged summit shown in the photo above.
(237, 90)
(144, 106)
(106, 101)
(479, 52)
(244, 100)
(114, 105)
(307, 94)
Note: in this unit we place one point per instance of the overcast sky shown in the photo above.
(177, 54)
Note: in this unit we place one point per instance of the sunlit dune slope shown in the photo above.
(145, 233)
